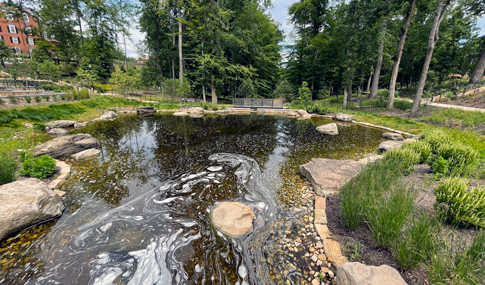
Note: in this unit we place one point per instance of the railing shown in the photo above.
(257, 103)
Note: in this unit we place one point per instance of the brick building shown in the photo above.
(17, 33)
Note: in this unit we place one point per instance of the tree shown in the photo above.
(304, 93)
(477, 74)
(433, 39)
(284, 90)
(5, 53)
(246, 90)
(49, 69)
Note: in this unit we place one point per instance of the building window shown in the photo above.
(17, 50)
(26, 18)
(15, 40)
(28, 30)
(31, 41)
(9, 16)
(12, 29)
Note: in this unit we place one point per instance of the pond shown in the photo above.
(139, 214)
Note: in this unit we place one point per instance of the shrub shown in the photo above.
(81, 94)
(54, 98)
(2, 102)
(46, 97)
(403, 105)
(458, 206)
(406, 158)
(62, 97)
(37, 99)
(39, 167)
(28, 99)
(12, 99)
(417, 242)
(461, 159)
(70, 96)
(8, 166)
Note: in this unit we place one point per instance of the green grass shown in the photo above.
(447, 116)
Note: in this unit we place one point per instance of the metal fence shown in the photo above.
(257, 103)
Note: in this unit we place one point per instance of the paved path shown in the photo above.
(440, 105)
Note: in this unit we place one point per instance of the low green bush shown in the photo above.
(81, 94)
(406, 158)
(12, 99)
(420, 147)
(417, 242)
(46, 97)
(37, 99)
(467, 118)
(458, 206)
(461, 159)
(8, 166)
(39, 167)
(2, 102)
(28, 99)
(403, 105)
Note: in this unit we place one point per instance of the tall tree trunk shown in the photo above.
(157, 38)
(181, 64)
(203, 70)
(400, 47)
(213, 90)
(348, 92)
(433, 39)
(369, 82)
(380, 51)
(477, 74)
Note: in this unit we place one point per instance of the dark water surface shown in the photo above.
(140, 213)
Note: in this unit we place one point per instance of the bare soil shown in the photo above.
(359, 244)
(475, 101)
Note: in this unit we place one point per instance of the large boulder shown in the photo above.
(60, 124)
(293, 114)
(109, 116)
(196, 112)
(392, 136)
(86, 154)
(145, 111)
(343, 117)
(329, 129)
(180, 114)
(25, 203)
(356, 273)
(388, 145)
(328, 175)
(302, 112)
(79, 125)
(65, 146)
(233, 218)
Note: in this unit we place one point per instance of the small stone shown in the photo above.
(287, 232)
(311, 249)
(319, 245)
(322, 257)
(314, 258)
(315, 282)
(298, 240)
(330, 274)
(324, 269)
(319, 263)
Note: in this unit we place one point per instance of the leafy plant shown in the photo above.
(2, 102)
(8, 166)
(458, 206)
(46, 97)
(39, 167)
(406, 158)
(12, 99)
(37, 99)
(28, 99)
(420, 147)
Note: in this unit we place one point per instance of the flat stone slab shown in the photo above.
(64, 173)
(62, 147)
(344, 117)
(328, 175)
(233, 218)
(60, 124)
(180, 114)
(392, 136)
(57, 132)
(86, 154)
(356, 273)
(388, 145)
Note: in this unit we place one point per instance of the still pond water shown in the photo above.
(140, 213)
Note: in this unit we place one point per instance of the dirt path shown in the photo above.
(441, 105)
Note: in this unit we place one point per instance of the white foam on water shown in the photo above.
(109, 276)
(242, 271)
(214, 168)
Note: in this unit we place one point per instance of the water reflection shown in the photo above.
(139, 214)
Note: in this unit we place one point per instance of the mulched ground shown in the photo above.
(476, 101)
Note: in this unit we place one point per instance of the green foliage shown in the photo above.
(2, 102)
(8, 166)
(37, 99)
(467, 118)
(12, 99)
(403, 105)
(40, 114)
(458, 206)
(184, 89)
(304, 93)
(420, 147)
(246, 89)
(406, 158)
(39, 167)
(284, 90)
(56, 88)
(170, 87)
(28, 99)
(417, 242)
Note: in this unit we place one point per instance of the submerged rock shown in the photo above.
(109, 116)
(65, 146)
(329, 129)
(86, 154)
(343, 117)
(387, 145)
(328, 175)
(63, 172)
(392, 136)
(356, 273)
(233, 218)
(292, 114)
(60, 124)
(25, 203)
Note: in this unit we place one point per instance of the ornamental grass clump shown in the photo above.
(405, 158)
(39, 167)
(458, 206)
(420, 147)
(417, 242)
(8, 166)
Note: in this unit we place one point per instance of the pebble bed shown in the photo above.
(294, 250)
